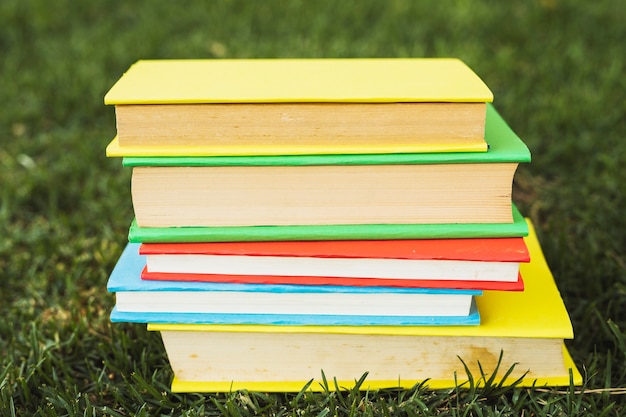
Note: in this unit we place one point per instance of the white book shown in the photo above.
(334, 267)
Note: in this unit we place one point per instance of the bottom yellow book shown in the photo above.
(520, 332)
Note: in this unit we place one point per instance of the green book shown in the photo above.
(329, 232)
(505, 149)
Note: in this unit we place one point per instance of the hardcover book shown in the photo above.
(298, 106)
(426, 259)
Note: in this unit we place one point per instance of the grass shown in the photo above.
(557, 71)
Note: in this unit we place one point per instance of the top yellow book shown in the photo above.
(299, 80)
(299, 106)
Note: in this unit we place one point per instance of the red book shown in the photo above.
(355, 262)
(356, 282)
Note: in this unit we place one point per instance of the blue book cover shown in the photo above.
(144, 301)
(126, 276)
(473, 319)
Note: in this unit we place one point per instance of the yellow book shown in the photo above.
(298, 106)
(528, 327)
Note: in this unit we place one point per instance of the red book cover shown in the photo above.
(487, 249)
(308, 280)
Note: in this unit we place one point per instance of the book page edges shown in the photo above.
(574, 378)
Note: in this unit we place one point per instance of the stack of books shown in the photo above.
(303, 219)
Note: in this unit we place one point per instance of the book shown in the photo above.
(237, 303)
(329, 232)
(117, 316)
(470, 189)
(425, 259)
(299, 106)
(524, 331)
(517, 285)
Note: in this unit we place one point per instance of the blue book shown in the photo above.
(145, 301)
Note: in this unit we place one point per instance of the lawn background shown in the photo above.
(558, 76)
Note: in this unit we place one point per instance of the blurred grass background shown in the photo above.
(557, 70)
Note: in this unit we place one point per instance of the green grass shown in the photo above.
(557, 71)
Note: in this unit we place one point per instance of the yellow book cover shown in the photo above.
(356, 80)
(299, 106)
(114, 149)
(529, 328)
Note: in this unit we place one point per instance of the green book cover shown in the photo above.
(504, 146)
(329, 232)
